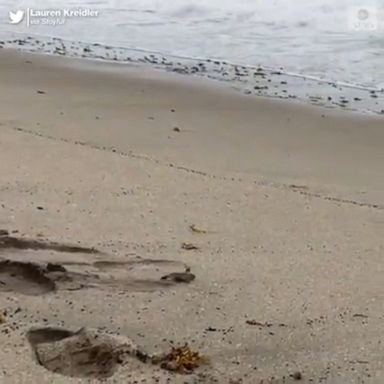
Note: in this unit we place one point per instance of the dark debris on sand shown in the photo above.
(189, 246)
(181, 360)
(179, 277)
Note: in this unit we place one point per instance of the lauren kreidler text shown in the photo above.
(55, 16)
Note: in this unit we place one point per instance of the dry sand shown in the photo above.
(289, 271)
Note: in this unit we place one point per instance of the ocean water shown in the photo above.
(338, 40)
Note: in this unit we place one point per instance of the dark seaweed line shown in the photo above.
(197, 172)
(148, 54)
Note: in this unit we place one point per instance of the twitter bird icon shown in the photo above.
(16, 17)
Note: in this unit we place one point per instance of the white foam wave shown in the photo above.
(310, 37)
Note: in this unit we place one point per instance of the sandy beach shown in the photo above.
(120, 184)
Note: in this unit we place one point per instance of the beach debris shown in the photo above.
(176, 129)
(258, 323)
(297, 376)
(181, 360)
(189, 246)
(295, 186)
(358, 361)
(195, 229)
(52, 267)
(4, 232)
(180, 277)
(360, 315)
(40, 92)
(2, 318)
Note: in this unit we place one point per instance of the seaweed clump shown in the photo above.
(182, 360)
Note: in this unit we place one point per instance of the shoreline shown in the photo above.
(275, 208)
(250, 80)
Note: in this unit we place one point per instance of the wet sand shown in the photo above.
(249, 80)
(155, 209)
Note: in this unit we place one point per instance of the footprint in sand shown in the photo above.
(139, 274)
(86, 353)
(47, 271)
(25, 278)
